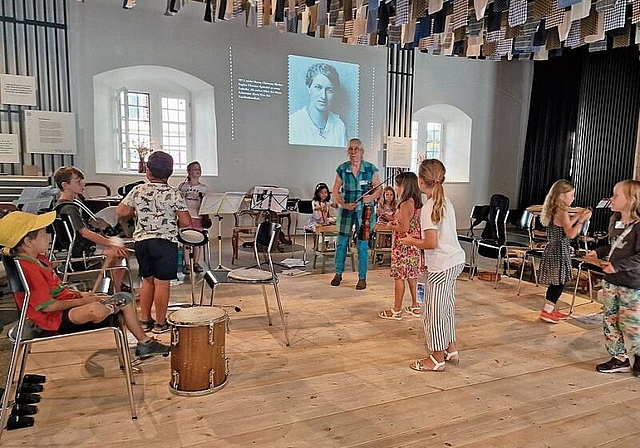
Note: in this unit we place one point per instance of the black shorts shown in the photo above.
(157, 258)
(66, 326)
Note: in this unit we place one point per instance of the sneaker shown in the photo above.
(551, 317)
(117, 301)
(160, 328)
(153, 347)
(185, 270)
(614, 365)
(636, 365)
(197, 268)
(336, 280)
(362, 284)
(559, 315)
(147, 325)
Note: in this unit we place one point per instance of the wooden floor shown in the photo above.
(345, 380)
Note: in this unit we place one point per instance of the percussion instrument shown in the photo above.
(198, 362)
(193, 237)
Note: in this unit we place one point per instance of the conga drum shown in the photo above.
(198, 362)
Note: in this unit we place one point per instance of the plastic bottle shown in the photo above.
(420, 292)
(180, 258)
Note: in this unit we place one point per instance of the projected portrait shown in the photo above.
(323, 102)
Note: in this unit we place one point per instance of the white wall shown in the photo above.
(104, 37)
(496, 96)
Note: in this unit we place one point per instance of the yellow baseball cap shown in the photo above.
(15, 225)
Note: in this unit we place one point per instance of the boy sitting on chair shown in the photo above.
(53, 306)
(70, 181)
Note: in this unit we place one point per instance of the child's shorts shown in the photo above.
(157, 258)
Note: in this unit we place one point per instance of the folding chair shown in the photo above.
(265, 236)
(63, 246)
(305, 208)
(23, 342)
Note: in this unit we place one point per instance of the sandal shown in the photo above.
(160, 328)
(452, 356)
(390, 314)
(414, 311)
(147, 325)
(437, 366)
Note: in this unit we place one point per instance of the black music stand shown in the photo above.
(270, 199)
(218, 204)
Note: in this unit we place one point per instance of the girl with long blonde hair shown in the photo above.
(445, 260)
(620, 262)
(562, 227)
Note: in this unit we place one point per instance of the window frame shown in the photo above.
(156, 127)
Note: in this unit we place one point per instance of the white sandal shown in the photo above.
(437, 366)
(452, 356)
(395, 315)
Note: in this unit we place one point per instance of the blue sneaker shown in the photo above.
(151, 348)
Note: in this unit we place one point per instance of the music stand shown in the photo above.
(270, 199)
(218, 204)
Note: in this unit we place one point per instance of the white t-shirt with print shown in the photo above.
(193, 195)
(156, 205)
(448, 253)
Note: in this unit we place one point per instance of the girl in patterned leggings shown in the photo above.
(555, 268)
(621, 287)
(445, 260)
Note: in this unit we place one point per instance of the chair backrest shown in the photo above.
(13, 275)
(305, 206)
(93, 189)
(498, 213)
(266, 234)
(479, 214)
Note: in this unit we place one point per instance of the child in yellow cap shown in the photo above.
(53, 306)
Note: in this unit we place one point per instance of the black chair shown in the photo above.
(479, 214)
(304, 207)
(496, 249)
(24, 334)
(71, 262)
(265, 237)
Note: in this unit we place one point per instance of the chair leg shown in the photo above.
(575, 290)
(524, 261)
(495, 281)
(128, 371)
(284, 322)
(266, 304)
(18, 350)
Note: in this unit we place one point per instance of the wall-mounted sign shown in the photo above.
(399, 152)
(50, 132)
(20, 90)
(9, 148)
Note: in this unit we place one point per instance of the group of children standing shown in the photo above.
(424, 237)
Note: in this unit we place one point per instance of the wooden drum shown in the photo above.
(198, 362)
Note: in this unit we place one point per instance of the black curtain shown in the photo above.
(583, 124)
(552, 124)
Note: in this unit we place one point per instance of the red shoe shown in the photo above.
(551, 317)
(559, 315)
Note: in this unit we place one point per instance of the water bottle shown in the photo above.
(180, 258)
(420, 293)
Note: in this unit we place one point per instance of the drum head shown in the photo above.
(192, 237)
(201, 315)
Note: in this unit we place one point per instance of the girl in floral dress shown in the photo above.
(405, 260)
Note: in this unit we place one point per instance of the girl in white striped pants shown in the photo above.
(445, 260)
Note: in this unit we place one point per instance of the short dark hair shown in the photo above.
(65, 173)
(160, 164)
(322, 69)
(15, 250)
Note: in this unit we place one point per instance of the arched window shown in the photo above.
(443, 132)
(151, 107)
